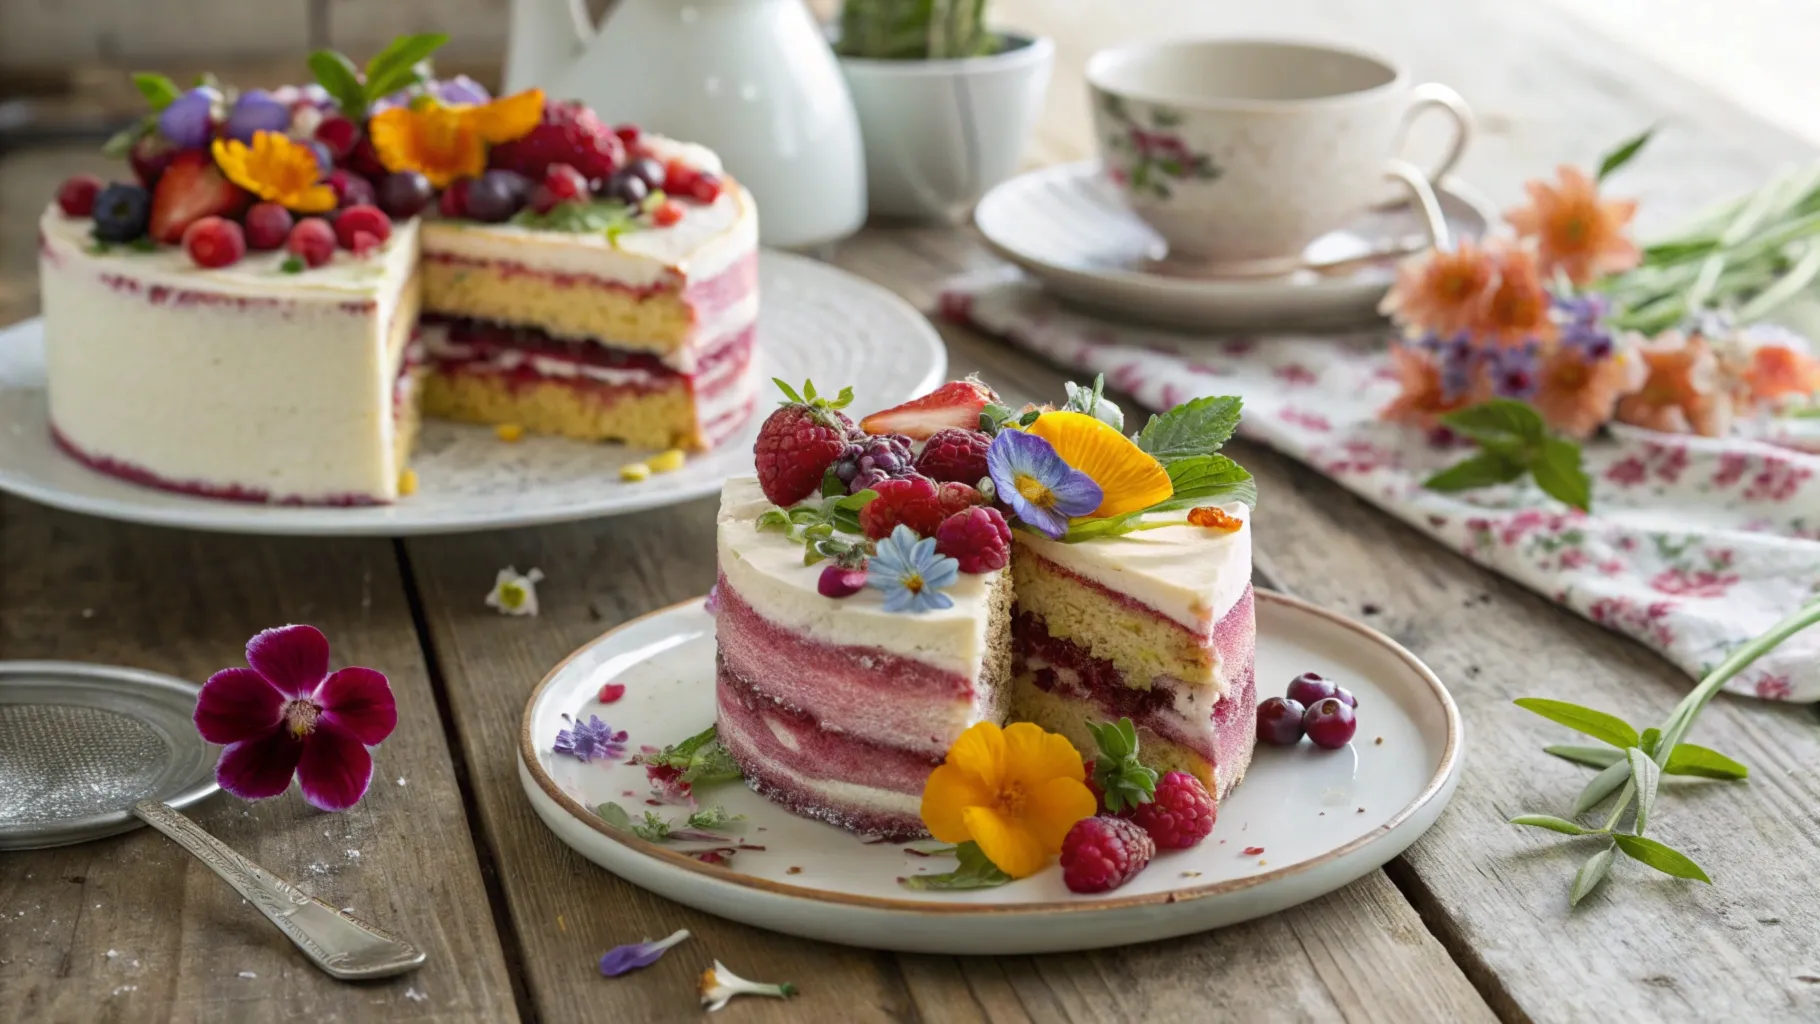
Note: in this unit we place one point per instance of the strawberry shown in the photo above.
(955, 404)
(799, 441)
(190, 189)
(568, 134)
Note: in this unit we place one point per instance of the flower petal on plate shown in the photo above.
(1052, 808)
(1006, 842)
(256, 769)
(237, 704)
(295, 659)
(335, 770)
(359, 701)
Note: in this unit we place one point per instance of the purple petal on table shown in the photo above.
(258, 768)
(623, 959)
(293, 658)
(237, 704)
(335, 770)
(359, 701)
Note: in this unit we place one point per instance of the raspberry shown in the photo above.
(358, 220)
(954, 454)
(978, 539)
(77, 195)
(798, 442)
(312, 241)
(351, 189)
(957, 497)
(1103, 853)
(267, 226)
(568, 134)
(214, 242)
(912, 501)
(1180, 814)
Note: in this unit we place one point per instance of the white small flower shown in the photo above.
(718, 985)
(514, 594)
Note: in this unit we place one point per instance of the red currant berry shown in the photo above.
(667, 214)
(1330, 723)
(214, 242)
(705, 188)
(267, 226)
(339, 134)
(1280, 722)
(453, 202)
(679, 178)
(77, 195)
(565, 182)
(312, 241)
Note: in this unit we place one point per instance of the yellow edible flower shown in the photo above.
(1015, 791)
(278, 169)
(446, 142)
(1129, 477)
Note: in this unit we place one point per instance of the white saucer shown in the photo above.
(1068, 227)
(1322, 818)
(817, 322)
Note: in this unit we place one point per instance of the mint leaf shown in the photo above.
(1591, 757)
(395, 67)
(159, 91)
(1597, 724)
(975, 872)
(1498, 420)
(1602, 785)
(1646, 774)
(1552, 823)
(1661, 856)
(1198, 477)
(1481, 470)
(1622, 155)
(1558, 472)
(1590, 875)
(338, 75)
(1196, 427)
(994, 417)
(1693, 759)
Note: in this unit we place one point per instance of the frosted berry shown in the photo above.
(267, 226)
(667, 213)
(1330, 723)
(351, 189)
(978, 539)
(1103, 852)
(453, 203)
(1308, 687)
(954, 454)
(312, 241)
(1179, 814)
(368, 220)
(120, 213)
(214, 242)
(76, 196)
(912, 501)
(839, 581)
(956, 497)
(1345, 697)
(798, 442)
(1280, 721)
(405, 194)
(866, 461)
(339, 134)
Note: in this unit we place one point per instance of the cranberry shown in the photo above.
(268, 226)
(679, 178)
(404, 194)
(312, 241)
(1308, 687)
(77, 195)
(351, 189)
(705, 188)
(648, 171)
(362, 220)
(339, 134)
(1330, 723)
(1345, 696)
(453, 202)
(214, 242)
(1280, 722)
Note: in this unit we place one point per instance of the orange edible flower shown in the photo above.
(278, 169)
(1517, 309)
(1576, 232)
(1681, 393)
(1214, 518)
(1778, 371)
(1015, 791)
(1577, 395)
(1441, 290)
(1130, 478)
(1424, 399)
(444, 142)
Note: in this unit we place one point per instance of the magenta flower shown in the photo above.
(286, 715)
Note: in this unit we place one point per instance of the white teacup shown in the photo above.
(1240, 152)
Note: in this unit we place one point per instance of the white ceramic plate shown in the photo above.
(817, 322)
(1321, 818)
(1068, 227)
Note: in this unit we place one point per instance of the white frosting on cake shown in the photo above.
(1188, 573)
(766, 568)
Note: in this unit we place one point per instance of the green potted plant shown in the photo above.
(945, 103)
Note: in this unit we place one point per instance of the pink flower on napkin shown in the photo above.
(288, 716)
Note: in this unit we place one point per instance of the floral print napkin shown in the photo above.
(1694, 545)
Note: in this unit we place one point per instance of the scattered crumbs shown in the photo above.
(125, 988)
(900, 879)
(762, 828)
(1472, 671)
(1252, 851)
(413, 995)
(401, 780)
(1322, 814)
(88, 613)
(353, 854)
(562, 923)
(793, 870)
(1378, 742)
(1222, 842)
(1262, 862)
(97, 906)
(248, 975)
(325, 833)
(112, 953)
(135, 963)
(1369, 609)
(318, 868)
(627, 792)
(1361, 810)
(1191, 874)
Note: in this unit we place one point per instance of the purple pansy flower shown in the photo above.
(623, 959)
(286, 715)
(586, 741)
(1043, 490)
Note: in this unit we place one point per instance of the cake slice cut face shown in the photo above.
(837, 708)
(1157, 626)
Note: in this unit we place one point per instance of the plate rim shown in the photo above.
(1449, 763)
(219, 516)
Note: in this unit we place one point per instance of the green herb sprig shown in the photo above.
(976, 871)
(401, 64)
(1514, 442)
(818, 527)
(700, 759)
(608, 217)
(656, 828)
(1632, 764)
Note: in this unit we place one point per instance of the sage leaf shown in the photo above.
(1646, 774)
(1649, 739)
(1589, 876)
(1693, 759)
(1597, 724)
(1661, 856)
(1558, 472)
(1591, 757)
(976, 871)
(1553, 824)
(1602, 785)
(1481, 470)
(1626, 151)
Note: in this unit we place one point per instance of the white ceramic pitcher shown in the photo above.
(754, 80)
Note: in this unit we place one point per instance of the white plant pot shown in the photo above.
(940, 133)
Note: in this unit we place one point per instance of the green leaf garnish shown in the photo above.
(1552, 823)
(291, 265)
(1602, 785)
(1645, 774)
(1597, 724)
(1591, 757)
(119, 144)
(597, 216)
(1482, 470)
(1198, 480)
(395, 67)
(700, 759)
(1661, 856)
(818, 526)
(1693, 759)
(337, 74)
(1515, 441)
(1091, 402)
(1590, 875)
(159, 91)
(1116, 770)
(994, 417)
(1196, 427)
(1623, 154)
(975, 872)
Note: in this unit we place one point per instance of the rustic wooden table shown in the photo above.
(1471, 924)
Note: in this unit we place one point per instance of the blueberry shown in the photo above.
(1308, 688)
(405, 194)
(189, 121)
(257, 111)
(646, 170)
(627, 187)
(1280, 722)
(120, 213)
(491, 198)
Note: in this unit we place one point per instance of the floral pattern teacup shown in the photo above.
(1241, 152)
